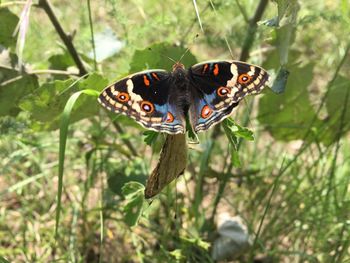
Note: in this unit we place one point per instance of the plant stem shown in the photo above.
(125, 140)
(67, 40)
(251, 32)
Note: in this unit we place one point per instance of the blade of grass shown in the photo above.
(197, 14)
(62, 145)
(274, 187)
(92, 33)
(22, 29)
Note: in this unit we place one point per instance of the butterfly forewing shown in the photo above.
(220, 86)
(144, 97)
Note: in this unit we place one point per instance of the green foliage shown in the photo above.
(233, 132)
(14, 87)
(120, 176)
(289, 116)
(150, 137)
(47, 102)
(8, 25)
(61, 61)
(134, 197)
(3, 260)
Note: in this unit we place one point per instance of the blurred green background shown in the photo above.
(289, 187)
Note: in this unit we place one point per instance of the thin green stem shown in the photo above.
(243, 11)
(334, 161)
(251, 32)
(274, 187)
(125, 140)
(92, 34)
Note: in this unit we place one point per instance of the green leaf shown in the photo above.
(238, 130)
(64, 123)
(150, 137)
(122, 175)
(134, 197)
(47, 102)
(233, 131)
(8, 25)
(288, 116)
(61, 61)
(197, 242)
(177, 254)
(13, 87)
(153, 57)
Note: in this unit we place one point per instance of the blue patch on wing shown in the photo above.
(164, 109)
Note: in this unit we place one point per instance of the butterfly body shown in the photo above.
(207, 93)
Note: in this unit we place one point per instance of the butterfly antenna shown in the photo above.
(173, 60)
(194, 39)
(229, 48)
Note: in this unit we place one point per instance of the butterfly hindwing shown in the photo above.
(144, 97)
(219, 86)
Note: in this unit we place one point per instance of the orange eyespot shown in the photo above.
(206, 112)
(169, 118)
(147, 107)
(123, 97)
(244, 78)
(223, 91)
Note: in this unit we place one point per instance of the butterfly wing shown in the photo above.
(144, 97)
(218, 86)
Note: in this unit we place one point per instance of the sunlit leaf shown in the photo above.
(47, 102)
(238, 130)
(234, 131)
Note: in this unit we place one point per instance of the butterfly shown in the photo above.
(206, 93)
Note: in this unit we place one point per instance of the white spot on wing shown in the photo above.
(135, 98)
(232, 82)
